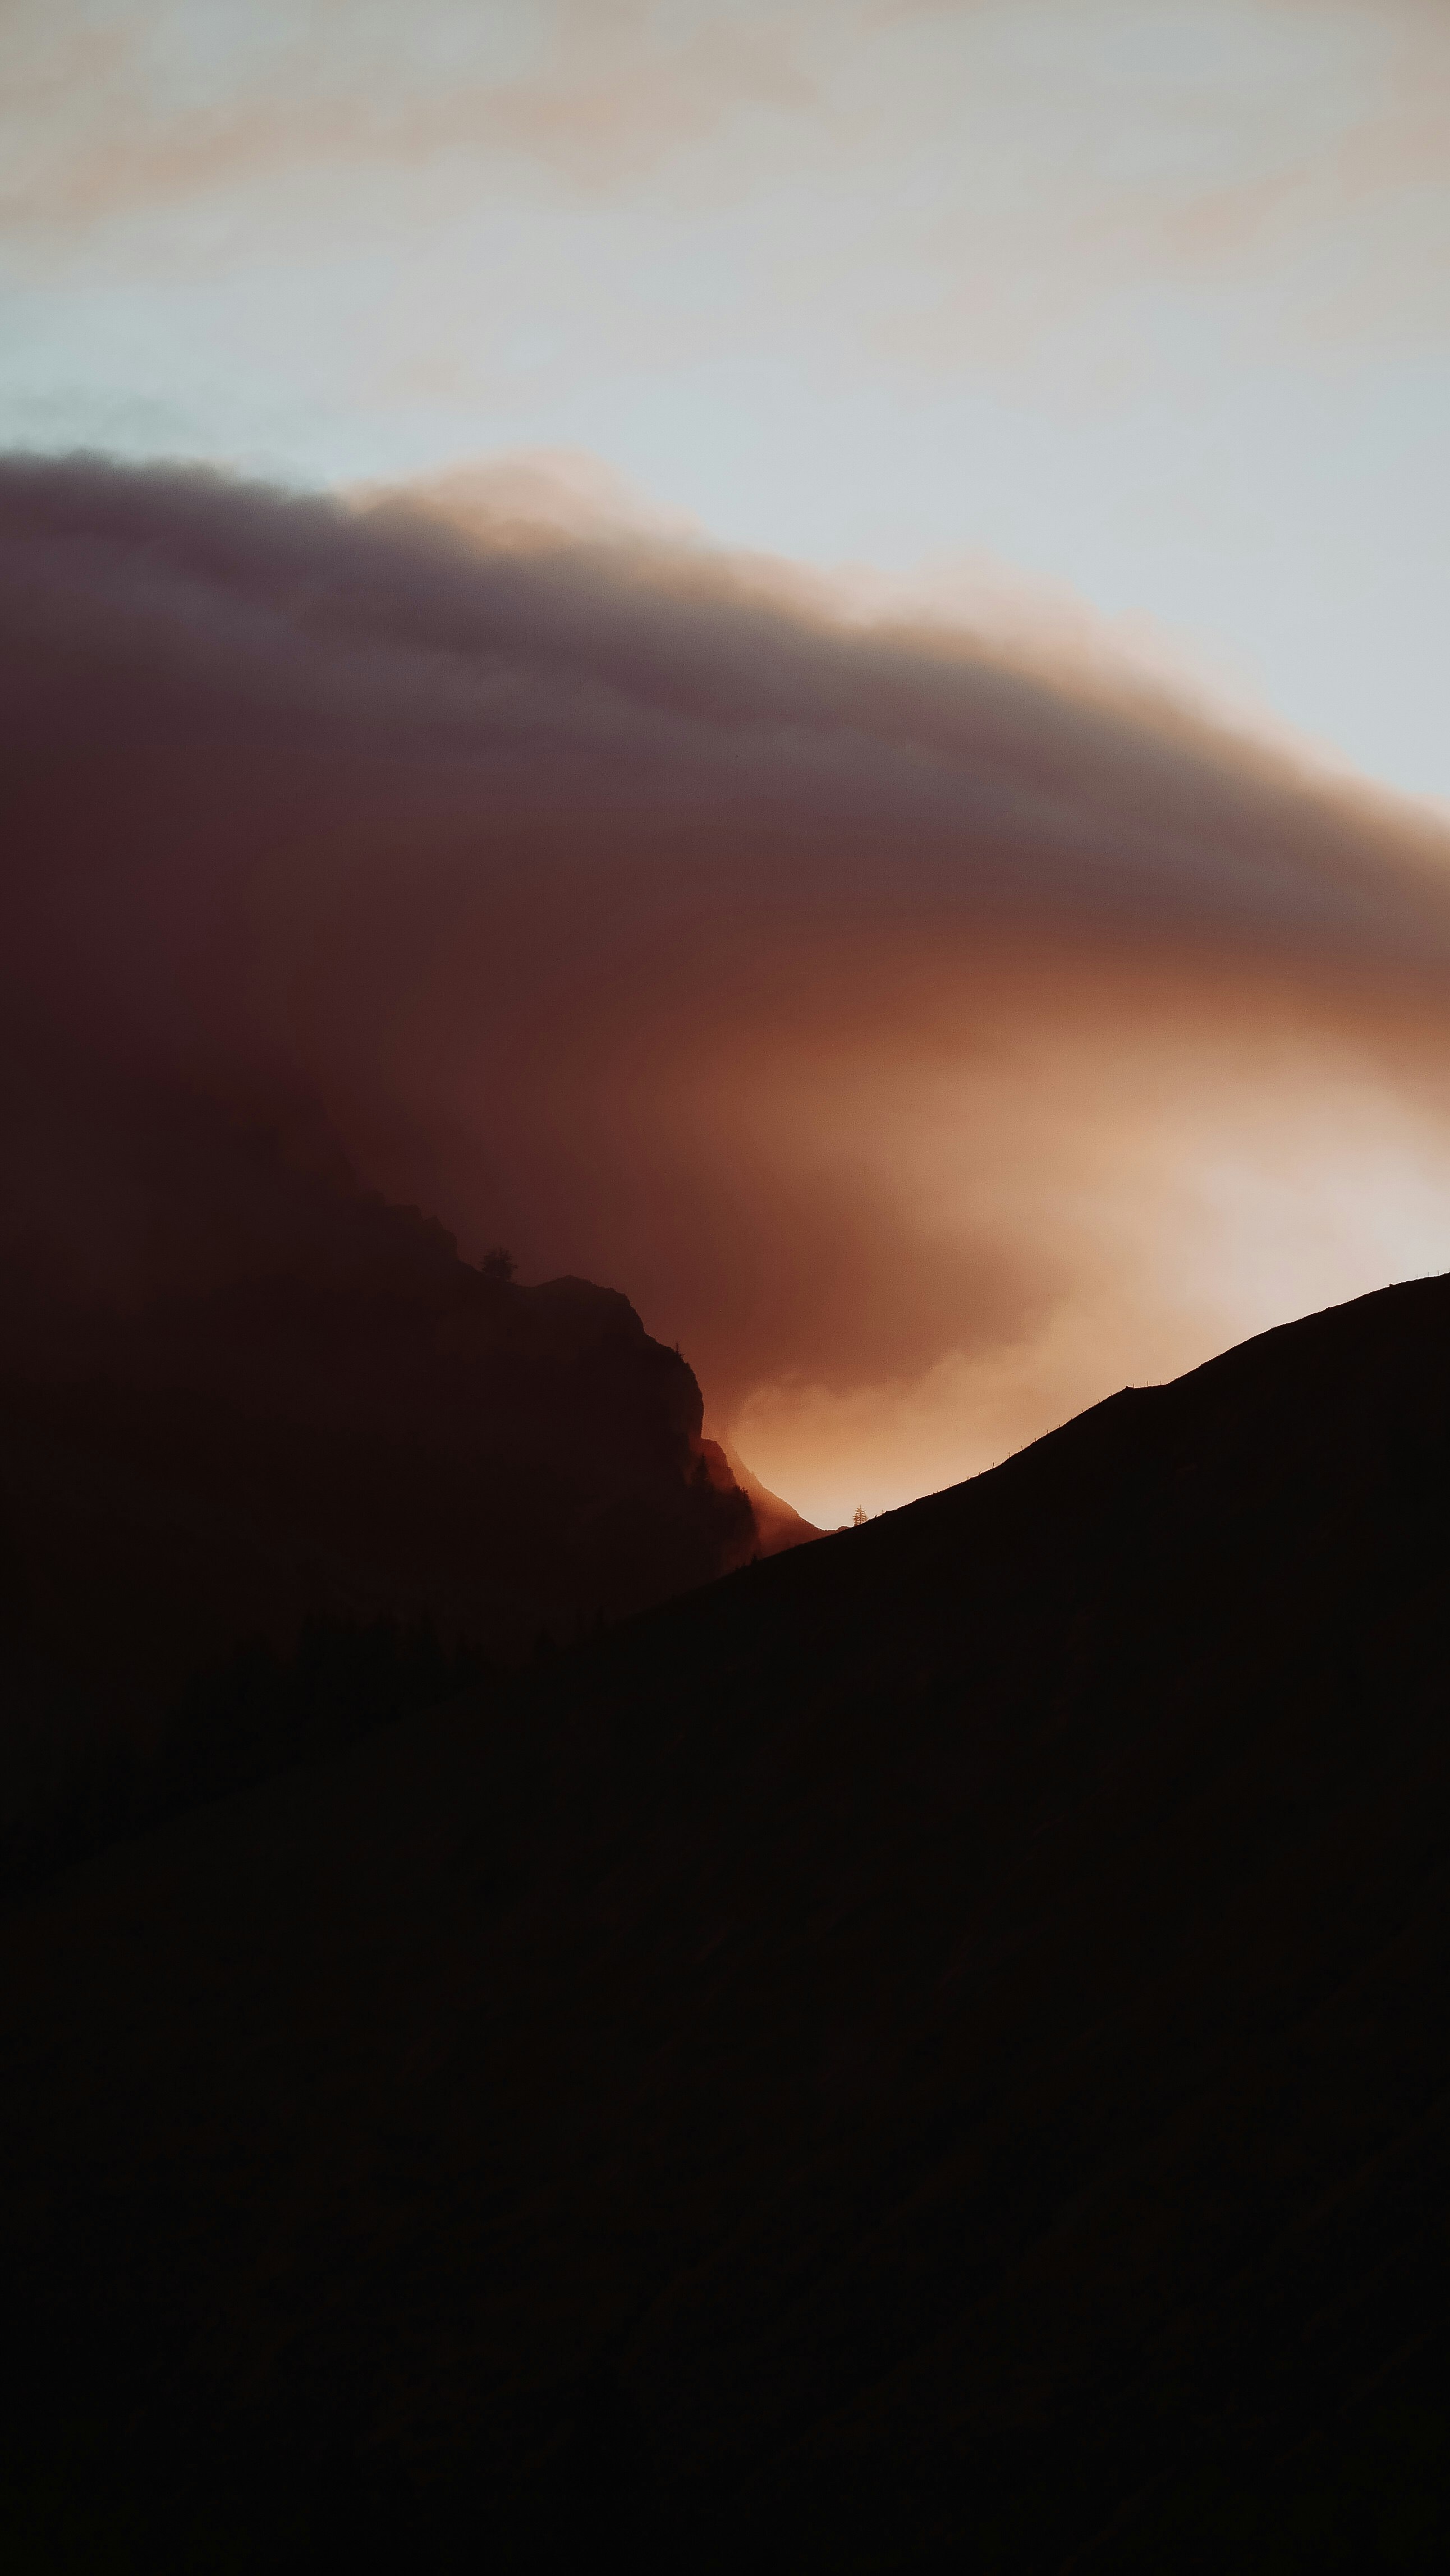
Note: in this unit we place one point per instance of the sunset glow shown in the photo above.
(806, 677)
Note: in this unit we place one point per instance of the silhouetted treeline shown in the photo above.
(253, 1713)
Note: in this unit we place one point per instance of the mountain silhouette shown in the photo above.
(920, 2054)
(302, 1416)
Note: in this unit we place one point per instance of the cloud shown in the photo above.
(928, 1026)
(147, 106)
(997, 163)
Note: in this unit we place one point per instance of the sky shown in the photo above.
(1142, 299)
(890, 800)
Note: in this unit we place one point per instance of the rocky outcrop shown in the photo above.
(352, 1424)
(778, 1524)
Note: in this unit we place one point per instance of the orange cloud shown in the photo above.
(926, 1030)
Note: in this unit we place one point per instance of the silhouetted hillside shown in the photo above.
(925, 2054)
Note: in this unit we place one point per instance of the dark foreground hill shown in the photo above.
(925, 2054)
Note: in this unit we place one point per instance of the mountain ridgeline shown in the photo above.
(325, 1444)
(925, 2053)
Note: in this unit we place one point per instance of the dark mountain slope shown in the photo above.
(925, 2054)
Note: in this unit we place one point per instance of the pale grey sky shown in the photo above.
(1146, 299)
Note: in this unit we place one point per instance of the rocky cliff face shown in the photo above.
(349, 1422)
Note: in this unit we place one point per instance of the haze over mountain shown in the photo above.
(924, 1023)
(926, 2053)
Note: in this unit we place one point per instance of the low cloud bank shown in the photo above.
(927, 1034)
